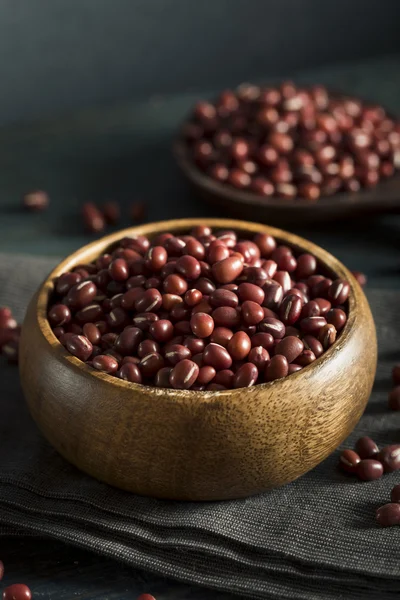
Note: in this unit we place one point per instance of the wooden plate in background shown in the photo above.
(383, 198)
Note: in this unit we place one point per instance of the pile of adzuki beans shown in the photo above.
(204, 311)
(292, 142)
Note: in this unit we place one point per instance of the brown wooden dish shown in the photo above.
(191, 445)
(385, 197)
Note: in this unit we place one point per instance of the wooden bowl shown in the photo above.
(190, 445)
(385, 197)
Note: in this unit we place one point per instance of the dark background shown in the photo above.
(58, 55)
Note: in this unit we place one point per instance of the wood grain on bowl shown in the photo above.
(191, 445)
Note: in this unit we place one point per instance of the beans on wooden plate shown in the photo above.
(270, 145)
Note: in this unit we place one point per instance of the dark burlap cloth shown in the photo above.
(313, 539)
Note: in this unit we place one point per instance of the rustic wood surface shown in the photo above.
(207, 445)
(56, 571)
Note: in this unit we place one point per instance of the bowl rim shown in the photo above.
(363, 198)
(181, 225)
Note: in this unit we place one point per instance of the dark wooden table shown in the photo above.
(124, 153)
